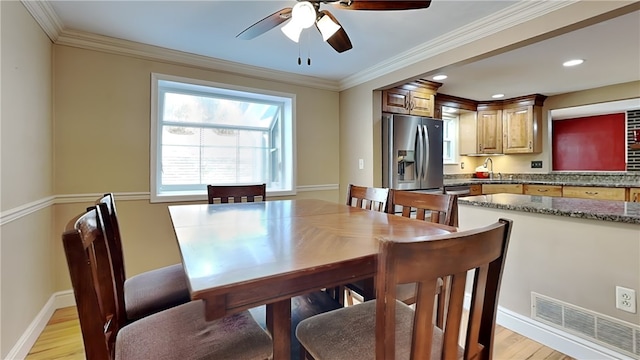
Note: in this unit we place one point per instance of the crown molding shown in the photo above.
(516, 14)
(111, 45)
(44, 15)
(49, 21)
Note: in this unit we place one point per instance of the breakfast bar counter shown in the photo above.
(572, 252)
(605, 210)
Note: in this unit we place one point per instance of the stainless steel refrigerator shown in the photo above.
(411, 152)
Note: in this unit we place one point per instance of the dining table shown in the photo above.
(239, 256)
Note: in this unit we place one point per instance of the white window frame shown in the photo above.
(289, 138)
(451, 121)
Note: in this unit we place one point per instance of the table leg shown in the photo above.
(279, 325)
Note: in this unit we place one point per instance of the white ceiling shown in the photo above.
(208, 28)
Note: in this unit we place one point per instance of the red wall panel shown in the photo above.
(595, 143)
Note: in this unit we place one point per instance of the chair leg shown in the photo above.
(349, 297)
(442, 298)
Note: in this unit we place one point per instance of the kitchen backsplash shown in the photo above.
(633, 155)
(596, 177)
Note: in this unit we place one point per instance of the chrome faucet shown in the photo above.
(489, 160)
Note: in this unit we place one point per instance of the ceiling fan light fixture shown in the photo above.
(573, 62)
(293, 30)
(327, 27)
(304, 14)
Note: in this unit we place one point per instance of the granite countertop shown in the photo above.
(475, 181)
(605, 210)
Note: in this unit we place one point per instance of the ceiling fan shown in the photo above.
(304, 14)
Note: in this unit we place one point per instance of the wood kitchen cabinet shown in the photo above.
(465, 110)
(593, 192)
(416, 98)
(501, 188)
(634, 195)
(542, 190)
(489, 131)
(468, 133)
(475, 189)
(522, 125)
(512, 126)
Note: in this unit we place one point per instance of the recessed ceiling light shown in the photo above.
(573, 62)
(497, 96)
(440, 77)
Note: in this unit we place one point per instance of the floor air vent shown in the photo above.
(609, 332)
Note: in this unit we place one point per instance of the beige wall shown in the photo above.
(102, 112)
(26, 241)
(578, 261)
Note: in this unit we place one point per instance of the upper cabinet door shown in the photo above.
(521, 127)
(490, 132)
(421, 104)
(396, 101)
(517, 125)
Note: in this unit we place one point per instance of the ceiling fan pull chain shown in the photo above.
(309, 50)
(299, 59)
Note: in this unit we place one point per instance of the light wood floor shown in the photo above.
(62, 339)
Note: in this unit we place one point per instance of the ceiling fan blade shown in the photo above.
(339, 41)
(265, 24)
(382, 5)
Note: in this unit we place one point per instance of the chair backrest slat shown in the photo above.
(92, 279)
(369, 198)
(236, 192)
(109, 218)
(423, 261)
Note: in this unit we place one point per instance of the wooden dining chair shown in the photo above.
(387, 328)
(224, 193)
(370, 198)
(145, 293)
(178, 333)
(435, 208)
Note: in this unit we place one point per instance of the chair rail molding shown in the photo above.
(30, 208)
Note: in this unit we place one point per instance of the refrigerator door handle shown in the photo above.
(426, 154)
(418, 152)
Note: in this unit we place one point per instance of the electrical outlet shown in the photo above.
(536, 164)
(626, 299)
(360, 164)
(461, 164)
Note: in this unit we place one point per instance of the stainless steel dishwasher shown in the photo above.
(460, 190)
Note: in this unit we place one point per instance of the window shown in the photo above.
(449, 136)
(207, 133)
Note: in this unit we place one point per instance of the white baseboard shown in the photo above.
(559, 340)
(25, 343)
(556, 339)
